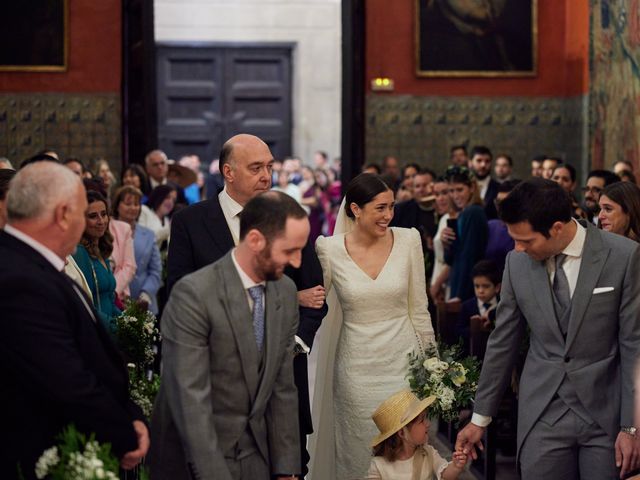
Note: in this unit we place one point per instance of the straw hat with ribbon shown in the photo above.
(396, 412)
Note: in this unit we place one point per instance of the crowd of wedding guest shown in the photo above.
(122, 252)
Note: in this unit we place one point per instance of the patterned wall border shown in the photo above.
(422, 129)
(80, 125)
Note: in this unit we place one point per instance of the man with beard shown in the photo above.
(225, 406)
(596, 183)
(458, 156)
(480, 163)
(204, 232)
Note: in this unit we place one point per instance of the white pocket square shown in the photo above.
(598, 290)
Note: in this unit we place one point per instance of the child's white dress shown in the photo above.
(432, 467)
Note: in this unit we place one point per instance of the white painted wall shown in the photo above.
(315, 28)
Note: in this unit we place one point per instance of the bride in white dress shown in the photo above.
(378, 275)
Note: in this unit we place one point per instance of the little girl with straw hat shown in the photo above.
(400, 450)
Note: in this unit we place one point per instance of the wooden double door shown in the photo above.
(207, 93)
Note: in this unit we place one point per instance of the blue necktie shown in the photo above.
(258, 314)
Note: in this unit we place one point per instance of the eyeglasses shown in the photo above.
(596, 190)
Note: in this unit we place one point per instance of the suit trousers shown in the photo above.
(252, 467)
(301, 377)
(566, 446)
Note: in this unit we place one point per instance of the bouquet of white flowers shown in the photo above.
(137, 334)
(77, 458)
(143, 390)
(442, 372)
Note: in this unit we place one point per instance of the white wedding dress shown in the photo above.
(384, 319)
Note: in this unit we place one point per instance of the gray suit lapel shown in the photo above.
(273, 329)
(594, 256)
(544, 296)
(240, 321)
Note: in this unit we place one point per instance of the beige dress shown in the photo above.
(432, 468)
(383, 321)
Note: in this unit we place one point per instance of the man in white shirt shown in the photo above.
(225, 406)
(156, 165)
(480, 163)
(577, 289)
(204, 232)
(58, 364)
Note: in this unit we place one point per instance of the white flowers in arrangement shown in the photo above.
(441, 372)
(137, 335)
(77, 458)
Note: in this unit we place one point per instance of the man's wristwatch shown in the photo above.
(629, 430)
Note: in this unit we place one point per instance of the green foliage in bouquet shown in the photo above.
(77, 458)
(143, 390)
(136, 334)
(442, 372)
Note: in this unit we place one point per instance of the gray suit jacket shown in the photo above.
(211, 391)
(603, 337)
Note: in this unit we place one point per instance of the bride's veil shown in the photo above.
(322, 441)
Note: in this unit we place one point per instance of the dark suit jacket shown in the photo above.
(307, 276)
(407, 215)
(199, 236)
(489, 200)
(58, 366)
(468, 309)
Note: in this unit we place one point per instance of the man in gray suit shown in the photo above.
(227, 405)
(577, 288)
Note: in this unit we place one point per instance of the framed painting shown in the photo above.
(34, 36)
(476, 38)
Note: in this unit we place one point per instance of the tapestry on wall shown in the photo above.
(615, 82)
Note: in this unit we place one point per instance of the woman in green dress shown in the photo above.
(92, 256)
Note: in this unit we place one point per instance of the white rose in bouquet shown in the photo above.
(435, 365)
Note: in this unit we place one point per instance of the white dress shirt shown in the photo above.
(247, 282)
(493, 303)
(154, 183)
(231, 211)
(483, 185)
(571, 264)
(571, 267)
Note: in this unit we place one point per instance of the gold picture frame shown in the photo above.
(35, 36)
(453, 42)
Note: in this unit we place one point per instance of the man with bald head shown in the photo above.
(203, 233)
(156, 165)
(57, 363)
(206, 231)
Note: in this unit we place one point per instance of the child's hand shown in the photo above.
(459, 459)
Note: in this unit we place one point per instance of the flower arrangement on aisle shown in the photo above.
(137, 335)
(143, 389)
(441, 371)
(77, 458)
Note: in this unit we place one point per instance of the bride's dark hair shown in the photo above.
(362, 189)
